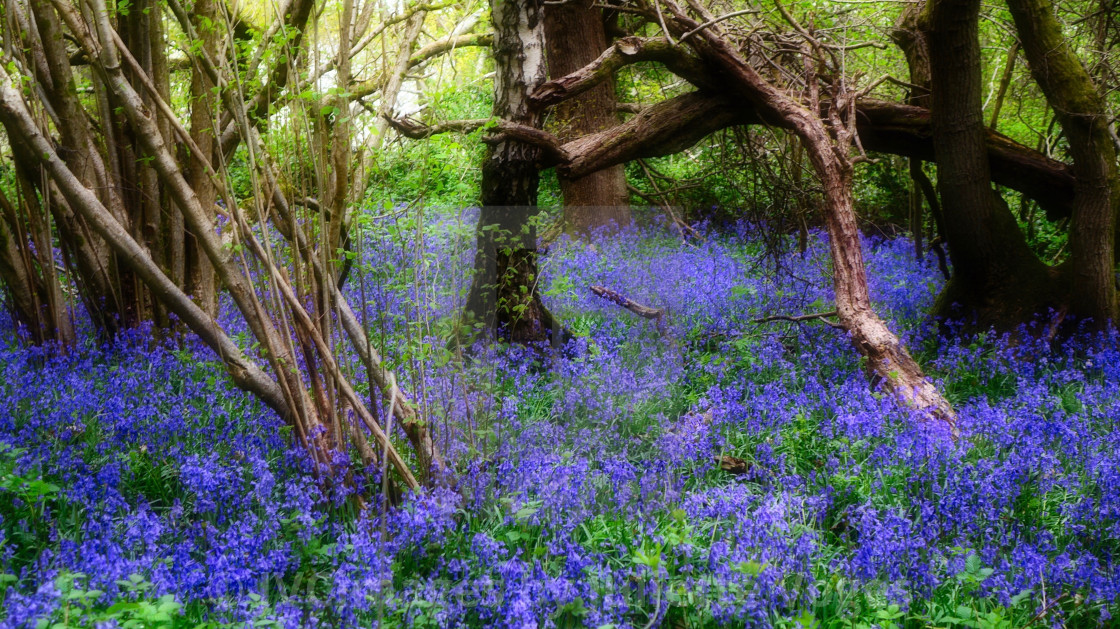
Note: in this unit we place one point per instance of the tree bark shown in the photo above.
(997, 280)
(503, 298)
(1081, 111)
(575, 36)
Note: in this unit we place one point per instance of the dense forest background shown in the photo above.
(561, 313)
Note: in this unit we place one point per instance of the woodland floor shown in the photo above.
(139, 488)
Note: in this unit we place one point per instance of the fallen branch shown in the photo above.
(657, 315)
(644, 312)
(805, 317)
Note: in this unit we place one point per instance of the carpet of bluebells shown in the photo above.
(709, 471)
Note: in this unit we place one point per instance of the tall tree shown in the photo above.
(1081, 111)
(503, 297)
(996, 277)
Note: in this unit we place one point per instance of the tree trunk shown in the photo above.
(997, 280)
(92, 259)
(286, 394)
(190, 268)
(575, 36)
(909, 38)
(1081, 111)
(28, 271)
(503, 299)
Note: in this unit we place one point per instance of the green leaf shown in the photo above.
(972, 563)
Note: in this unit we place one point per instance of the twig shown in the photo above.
(661, 19)
(1046, 608)
(717, 20)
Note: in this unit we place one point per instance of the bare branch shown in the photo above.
(624, 52)
(417, 131)
(372, 86)
(717, 21)
(450, 44)
(805, 317)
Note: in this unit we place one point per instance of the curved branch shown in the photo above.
(417, 131)
(450, 44)
(678, 123)
(552, 152)
(624, 52)
(668, 127)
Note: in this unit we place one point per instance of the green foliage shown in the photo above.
(83, 608)
(444, 170)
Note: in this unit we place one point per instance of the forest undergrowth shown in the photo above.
(712, 470)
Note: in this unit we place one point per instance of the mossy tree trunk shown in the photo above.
(503, 299)
(1081, 111)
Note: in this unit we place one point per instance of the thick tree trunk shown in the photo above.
(997, 280)
(1081, 111)
(575, 36)
(503, 298)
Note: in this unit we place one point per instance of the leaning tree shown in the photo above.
(807, 91)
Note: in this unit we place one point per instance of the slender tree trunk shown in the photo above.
(392, 88)
(1004, 83)
(190, 268)
(28, 270)
(92, 259)
(575, 36)
(912, 42)
(1081, 111)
